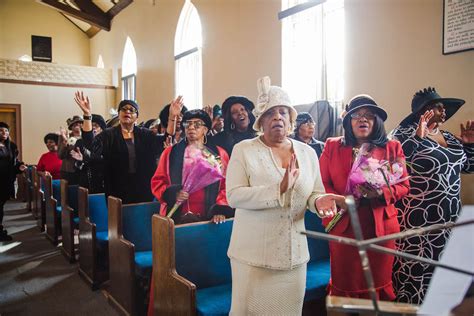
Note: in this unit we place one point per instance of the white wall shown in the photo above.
(45, 108)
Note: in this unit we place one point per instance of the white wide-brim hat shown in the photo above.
(269, 97)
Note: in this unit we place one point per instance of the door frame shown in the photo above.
(17, 108)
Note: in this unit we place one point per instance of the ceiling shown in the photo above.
(90, 16)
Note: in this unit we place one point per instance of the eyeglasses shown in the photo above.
(367, 115)
(196, 124)
(130, 109)
(309, 124)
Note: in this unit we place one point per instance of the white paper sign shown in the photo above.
(458, 26)
(448, 288)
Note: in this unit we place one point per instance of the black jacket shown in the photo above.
(9, 168)
(110, 148)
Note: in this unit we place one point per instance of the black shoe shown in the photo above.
(5, 237)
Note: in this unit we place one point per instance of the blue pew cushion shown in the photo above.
(59, 209)
(214, 300)
(76, 220)
(317, 279)
(143, 263)
(98, 211)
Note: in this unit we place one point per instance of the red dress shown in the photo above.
(378, 217)
(51, 163)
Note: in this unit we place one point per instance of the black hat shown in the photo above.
(165, 112)
(363, 101)
(216, 111)
(73, 120)
(302, 118)
(429, 96)
(113, 121)
(98, 119)
(229, 102)
(54, 137)
(200, 114)
(130, 102)
(151, 122)
(237, 99)
(4, 125)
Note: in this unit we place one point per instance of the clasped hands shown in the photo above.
(327, 205)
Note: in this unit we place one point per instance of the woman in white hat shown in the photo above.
(268, 254)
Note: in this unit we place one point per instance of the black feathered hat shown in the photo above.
(429, 96)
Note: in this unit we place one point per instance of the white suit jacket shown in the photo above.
(267, 224)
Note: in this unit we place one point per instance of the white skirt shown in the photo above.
(262, 291)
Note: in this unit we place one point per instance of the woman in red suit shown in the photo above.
(363, 123)
(209, 203)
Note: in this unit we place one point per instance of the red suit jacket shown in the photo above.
(336, 163)
(161, 181)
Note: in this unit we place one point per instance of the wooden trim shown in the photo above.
(17, 110)
(102, 21)
(57, 84)
(118, 7)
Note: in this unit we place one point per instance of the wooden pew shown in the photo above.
(69, 219)
(22, 181)
(39, 201)
(29, 188)
(34, 178)
(93, 238)
(191, 270)
(53, 213)
(130, 255)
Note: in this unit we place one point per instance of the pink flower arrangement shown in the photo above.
(370, 173)
(200, 169)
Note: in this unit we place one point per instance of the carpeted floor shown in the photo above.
(36, 279)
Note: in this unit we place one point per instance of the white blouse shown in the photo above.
(267, 225)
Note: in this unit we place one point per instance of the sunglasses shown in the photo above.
(130, 109)
(367, 115)
(309, 124)
(196, 124)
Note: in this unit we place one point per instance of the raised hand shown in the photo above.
(328, 204)
(291, 174)
(423, 128)
(83, 102)
(467, 133)
(76, 154)
(208, 110)
(176, 107)
(63, 134)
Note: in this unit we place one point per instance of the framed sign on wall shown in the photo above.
(41, 48)
(458, 26)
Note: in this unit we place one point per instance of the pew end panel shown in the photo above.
(53, 213)
(173, 294)
(130, 256)
(69, 219)
(93, 259)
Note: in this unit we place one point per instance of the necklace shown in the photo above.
(433, 132)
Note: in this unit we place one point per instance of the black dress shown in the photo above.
(314, 143)
(434, 198)
(9, 168)
(228, 139)
(132, 185)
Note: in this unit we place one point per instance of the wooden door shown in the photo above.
(11, 114)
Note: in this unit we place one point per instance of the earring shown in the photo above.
(232, 125)
(205, 139)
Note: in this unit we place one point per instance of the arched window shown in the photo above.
(313, 50)
(188, 57)
(129, 71)
(100, 62)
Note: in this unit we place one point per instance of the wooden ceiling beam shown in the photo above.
(118, 7)
(88, 6)
(102, 21)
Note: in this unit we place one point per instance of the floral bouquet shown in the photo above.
(200, 169)
(370, 173)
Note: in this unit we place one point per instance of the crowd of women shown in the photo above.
(274, 171)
